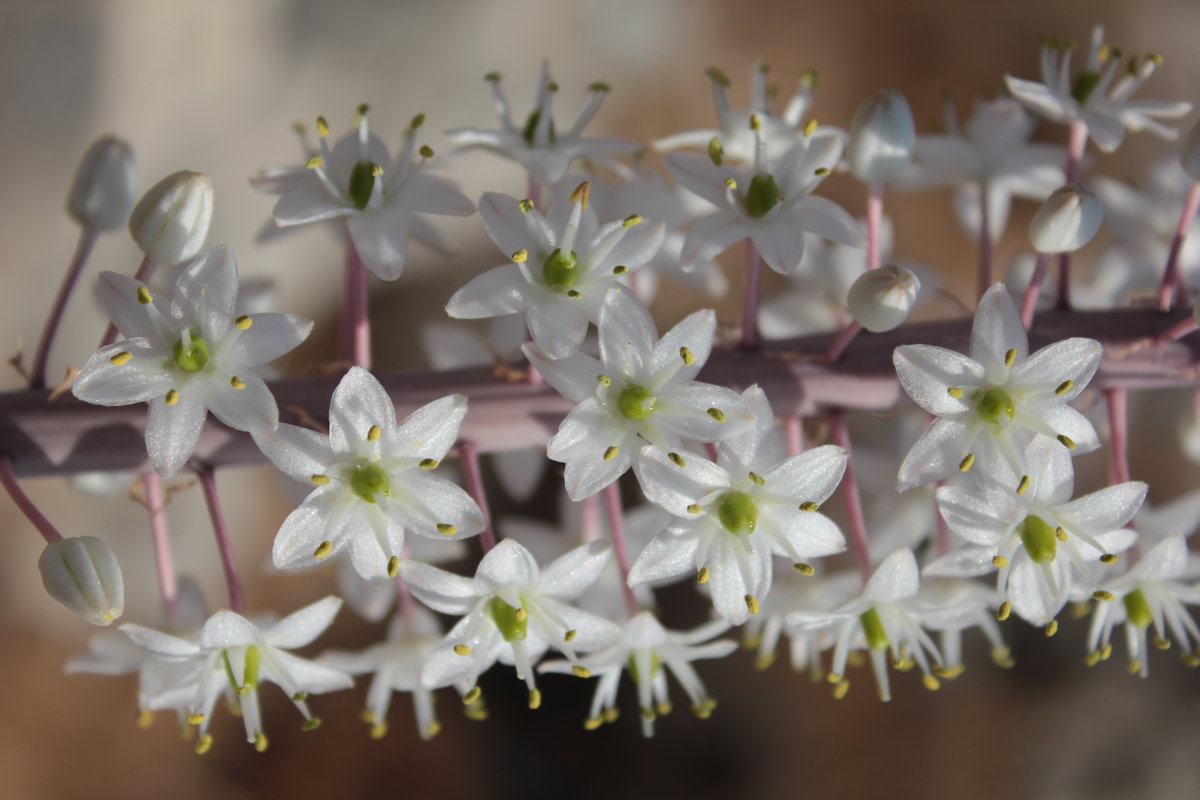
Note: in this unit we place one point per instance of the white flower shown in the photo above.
(769, 201)
(794, 591)
(734, 515)
(397, 663)
(233, 653)
(990, 405)
(1093, 97)
(882, 138)
(1151, 593)
(82, 573)
(951, 606)
(170, 222)
(1022, 534)
(188, 354)
(561, 267)
(513, 612)
(881, 299)
(645, 647)
(641, 390)
(379, 198)
(372, 479)
(542, 150)
(1067, 220)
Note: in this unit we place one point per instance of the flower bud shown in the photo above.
(1190, 156)
(1067, 220)
(882, 298)
(882, 138)
(101, 193)
(171, 220)
(83, 574)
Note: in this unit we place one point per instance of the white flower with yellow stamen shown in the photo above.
(379, 198)
(733, 516)
(562, 265)
(373, 479)
(512, 612)
(187, 354)
(989, 406)
(644, 649)
(793, 591)
(641, 390)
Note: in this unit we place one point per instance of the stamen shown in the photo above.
(462, 650)
(1052, 628)
(320, 480)
(810, 127)
(526, 206)
(426, 151)
(841, 690)
(244, 322)
(1108, 558)
(999, 561)
(117, 359)
(428, 463)
(1161, 643)
(752, 603)
(581, 671)
(323, 549)
(677, 460)
(631, 220)
(172, 397)
(195, 719)
(966, 463)
(393, 566)
(686, 355)
(716, 151)
(535, 698)
(204, 745)
(955, 392)
(1064, 387)
(1004, 610)
(804, 569)
(610, 452)
(311, 724)
(702, 575)
(582, 194)
(1060, 533)
(694, 508)
(1023, 486)
(373, 433)
(620, 269)
(472, 696)
(809, 506)
(716, 414)
(520, 256)
(446, 529)
(757, 479)
(570, 635)
(322, 127)
(1067, 441)
(1101, 594)
(604, 380)
(931, 683)
(261, 742)
(143, 296)
(237, 382)
(1010, 357)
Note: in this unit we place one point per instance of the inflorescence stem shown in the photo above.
(164, 567)
(83, 249)
(874, 224)
(854, 512)
(616, 525)
(208, 483)
(469, 454)
(26, 505)
(750, 337)
(1077, 137)
(354, 331)
(1172, 277)
(986, 245)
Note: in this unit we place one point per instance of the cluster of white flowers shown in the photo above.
(736, 496)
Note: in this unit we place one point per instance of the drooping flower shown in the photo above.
(187, 354)
(641, 390)
(372, 479)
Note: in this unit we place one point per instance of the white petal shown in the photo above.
(173, 430)
(627, 334)
(306, 527)
(432, 501)
(780, 242)
(507, 564)
(297, 452)
(825, 218)
(974, 517)
(504, 222)
(301, 627)
(305, 204)
(698, 175)
(440, 590)
(895, 578)
(495, 293)
(927, 373)
(1105, 510)
(311, 677)
(143, 376)
(228, 629)
(935, 455)
(569, 575)
(268, 337)
(163, 645)
(675, 488)
(695, 332)
(431, 430)
(360, 402)
(381, 241)
(997, 330)
(965, 562)
(711, 235)
(1075, 360)
(251, 408)
(810, 476)
(119, 296)
(668, 555)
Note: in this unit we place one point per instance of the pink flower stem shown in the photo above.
(469, 454)
(1029, 301)
(713, 451)
(533, 190)
(83, 249)
(1118, 426)
(354, 334)
(1076, 143)
(986, 245)
(750, 338)
(1171, 275)
(941, 529)
(208, 484)
(22, 501)
(616, 525)
(1178, 330)
(164, 567)
(874, 224)
(590, 521)
(793, 426)
(144, 271)
(840, 342)
(854, 513)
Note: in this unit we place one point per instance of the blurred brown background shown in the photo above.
(214, 86)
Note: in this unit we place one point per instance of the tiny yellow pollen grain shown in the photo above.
(1060, 533)
(373, 433)
(1108, 558)
(143, 295)
(694, 508)
(393, 566)
(428, 463)
(1004, 610)
(631, 220)
(261, 742)
(145, 719)
(717, 414)
(955, 392)
(570, 635)
(462, 650)
(809, 505)
(1064, 387)
(237, 383)
(804, 569)
(677, 460)
(172, 397)
(1161, 643)
(520, 256)
(526, 205)
(1052, 628)
(1067, 441)
(195, 719)
(472, 696)
(999, 561)
(446, 529)
(244, 322)
(581, 671)
(322, 127)
(535, 698)
(931, 683)
(610, 452)
(702, 575)
(379, 730)
(1010, 357)
(752, 603)
(1023, 486)
(117, 359)
(314, 161)
(204, 745)
(966, 463)
(810, 127)
(320, 480)
(686, 354)
(1102, 594)
(841, 690)
(323, 549)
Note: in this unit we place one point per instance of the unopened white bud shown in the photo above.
(1190, 157)
(170, 222)
(83, 574)
(102, 191)
(1067, 220)
(882, 138)
(881, 298)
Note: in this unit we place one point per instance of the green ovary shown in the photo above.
(873, 629)
(561, 269)
(513, 627)
(1039, 539)
(763, 195)
(1085, 84)
(738, 512)
(362, 183)
(368, 481)
(193, 357)
(994, 404)
(655, 665)
(1138, 609)
(636, 402)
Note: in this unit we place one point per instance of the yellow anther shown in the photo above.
(821, 172)
(702, 575)
(610, 452)
(718, 76)
(1108, 558)
(172, 397)
(462, 650)
(204, 744)
(599, 86)
(195, 719)
(379, 730)
(677, 460)
(299, 697)
(931, 683)
(755, 123)
(428, 463)
(730, 183)
(117, 359)
(1064, 387)
(520, 256)
(1161, 643)
(472, 696)
(809, 505)
(764, 661)
(604, 380)
(367, 716)
(237, 382)
(1135, 666)
(841, 690)
(1052, 628)
(521, 614)
(611, 715)
(311, 724)
(1092, 658)
(704, 708)
(1190, 660)
(663, 708)
(1102, 594)
(592, 723)
(1002, 657)
(582, 194)
(323, 549)
(573, 294)
(966, 463)
(145, 719)
(752, 603)
(244, 322)
(904, 663)
(1004, 610)
(526, 206)
(581, 671)
(570, 635)
(322, 127)
(1106, 652)
(804, 569)
(810, 127)
(446, 529)
(535, 698)
(393, 566)
(631, 220)
(314, 161)
(1023, 486)
(373, 433)
(433, 729)
(417, 121)
(143, 296)
(426, 151)
(1010, 357)
(834, 677)
(955, 392)
(999, 561)
(320, 480)
(687, 356)
(1067, 441)
(716, 414)
(648, 714)
(620, 269)
(261, 742)
(694, 508)
(1061, 533)
(756, 479)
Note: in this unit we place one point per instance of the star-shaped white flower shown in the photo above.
(542, 150)
(990, 405)
(641, 390)
(1025, 534)
(380, 199)
(644, 648)
(734, 515)
(512, 612)
(234, 654)
(373, 479)
(1097, 96)
(561, 267)
(188, 354)
(768, 201)
(794, 591)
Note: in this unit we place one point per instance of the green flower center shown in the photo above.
(530, 128)
(369, 480)
(763, 195)
(655, 665)
(193, 357)
(995, 403)
(1085, 84)
(561, 269)
(514, 626)
(1138, 609)
(362, 183)
(738, 512)
(635, 402)
(249, 673)
(873, 629)
(1039, 539)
